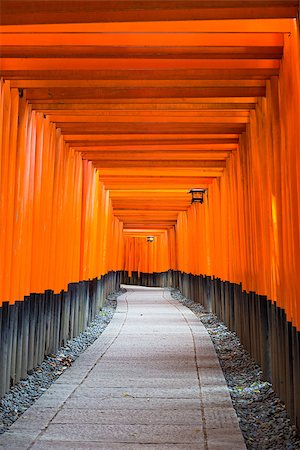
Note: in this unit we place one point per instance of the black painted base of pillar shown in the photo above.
(263, 329)
(39, 325)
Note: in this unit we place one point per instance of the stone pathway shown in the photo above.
(152, 380)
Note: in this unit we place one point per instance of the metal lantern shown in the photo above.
(150, 238)
(197, 195)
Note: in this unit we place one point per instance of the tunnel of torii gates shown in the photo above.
(110, 113)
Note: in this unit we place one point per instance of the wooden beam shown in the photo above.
(142, 233)
(165, 149)
(167, 182)
(205, 101)
(153, 224)
(109, 116)
(152, 116)
(211, 52)
(207, 138)
(56, 108)
(173, 93)
(141, 40)
(154, 140)
(79, 11)
(265, 26)
(123, 172)
(151, 205)
(18, 71)
(104, 165)
(125, 157)
(134, 83)
(135, 212)
(168, 203)
(79, 121)
(144, 193)
(45, 64)
(157, 128)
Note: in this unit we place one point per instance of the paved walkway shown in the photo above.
(151, 381)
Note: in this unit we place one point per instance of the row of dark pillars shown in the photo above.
(262, 326)
(42, 323)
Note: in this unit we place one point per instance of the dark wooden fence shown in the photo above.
(263, 329)
(39, 325)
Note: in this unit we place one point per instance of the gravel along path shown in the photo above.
(24, 394)
(262, 416)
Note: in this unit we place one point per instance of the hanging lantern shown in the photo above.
(150, 238)
(197, 195)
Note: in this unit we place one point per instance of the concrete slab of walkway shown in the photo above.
(152, 380)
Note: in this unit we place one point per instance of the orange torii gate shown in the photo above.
(110, 114)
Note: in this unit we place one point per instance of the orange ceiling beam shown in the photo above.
(167, 182)
(110, 42)
(67, 120)
(150, 148)
(156, 171)
(78, 11)
(45, 64)
(143, 93)
(144, 108)
(257, 25)
(62, 83)
(82, 73)
(158, 164)
(201, 138)
(125, 157)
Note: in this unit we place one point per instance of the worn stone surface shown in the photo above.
(58, 445)
(154, 434)
(138, 387)
(120, 416)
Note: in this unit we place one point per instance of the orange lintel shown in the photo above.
(134, 83)
(257, 25)
(143, 39)
(89, 11)
(62, 120)
(162, 148)
(133, 64)
(175, 136)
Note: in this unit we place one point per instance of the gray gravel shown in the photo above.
(24, 394)
(262, 416)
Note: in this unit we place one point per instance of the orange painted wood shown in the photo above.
(115, 83)
(142, 39)
(9, 64)
(258, 25)
(18, 71)
(115, 121)
(201, 138)
(124, 158)
(170, 164)
(36, 11)
(79, 121)
(144, 108)
(250, 226)
(141, 93)
(49, 213)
